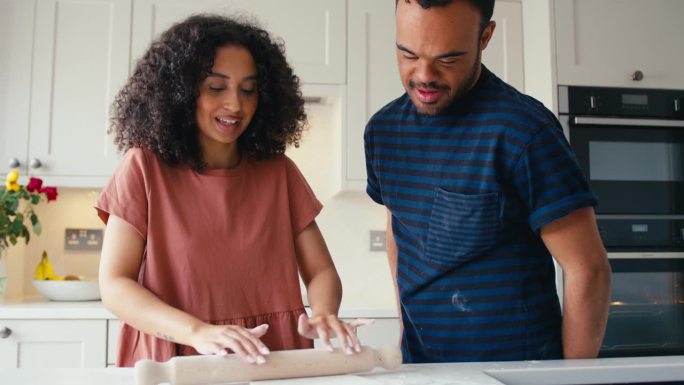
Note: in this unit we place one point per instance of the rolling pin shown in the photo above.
(192, 370)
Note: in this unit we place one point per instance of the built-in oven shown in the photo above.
(630, 146)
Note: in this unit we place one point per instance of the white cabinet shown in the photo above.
(16, 20)
(603, 43)
(504, 54)
(383, 332)
(63, 61)
(113, 329)
(313, 30)
(373, 77)
(53, 343)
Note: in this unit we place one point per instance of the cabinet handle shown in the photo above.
(5, 332)
(637, 76)
(14, 163)
(35, 163)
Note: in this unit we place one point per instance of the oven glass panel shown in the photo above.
(646, 310)
(636, 161)
(632, 170)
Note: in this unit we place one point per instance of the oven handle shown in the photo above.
(581, 120)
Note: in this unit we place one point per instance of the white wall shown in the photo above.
(348, 217)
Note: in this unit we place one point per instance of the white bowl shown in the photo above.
(85, 290)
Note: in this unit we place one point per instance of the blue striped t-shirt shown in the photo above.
(469, 191)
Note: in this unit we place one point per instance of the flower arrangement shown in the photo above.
(12, 216)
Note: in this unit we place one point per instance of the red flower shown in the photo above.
(34, 184)
(50, 192)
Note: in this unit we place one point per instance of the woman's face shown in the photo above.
(226, 103)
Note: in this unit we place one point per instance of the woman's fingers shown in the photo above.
(249, 338)
(259, 330)
(361, 322)
(304, 327)
(243, 342)
(330, 326)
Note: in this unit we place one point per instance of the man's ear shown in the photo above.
(487, 34)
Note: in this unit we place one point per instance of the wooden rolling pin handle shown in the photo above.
(191, 370)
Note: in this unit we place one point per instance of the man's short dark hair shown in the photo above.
(485, 7)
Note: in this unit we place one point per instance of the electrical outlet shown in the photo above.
(378, 240)
(83, 239)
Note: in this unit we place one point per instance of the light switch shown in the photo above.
(378, 240)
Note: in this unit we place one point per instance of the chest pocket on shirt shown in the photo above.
(461, 226)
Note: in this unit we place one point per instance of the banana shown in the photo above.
(44, 270)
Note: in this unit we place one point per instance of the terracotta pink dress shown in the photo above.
(218, 245)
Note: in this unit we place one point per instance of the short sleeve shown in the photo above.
(304, 206)
(548, 179)
(372, 183)
(125, 195)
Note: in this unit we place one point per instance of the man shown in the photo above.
(481, 189)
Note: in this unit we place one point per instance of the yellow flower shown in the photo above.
(15, 217)
(12, 178)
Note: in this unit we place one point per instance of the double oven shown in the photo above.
(630, 145)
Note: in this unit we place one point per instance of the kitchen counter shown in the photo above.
(555, 372)
(39, 308)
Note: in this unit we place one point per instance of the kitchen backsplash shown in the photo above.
(72, 209)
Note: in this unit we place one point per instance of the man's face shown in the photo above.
(439, 52)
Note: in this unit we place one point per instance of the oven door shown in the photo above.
(635, 166)
(646, 315)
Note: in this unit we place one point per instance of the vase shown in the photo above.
(3, 271)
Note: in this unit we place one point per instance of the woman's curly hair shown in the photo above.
(156, 108)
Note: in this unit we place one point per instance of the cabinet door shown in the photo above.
(113, 329)
(54, 344)
(313, 30)
(16, 20)
(383, 332)
(504, 54)
(603, 43)
(372, 80)
(80, 61)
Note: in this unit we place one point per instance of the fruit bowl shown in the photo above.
(69, 290)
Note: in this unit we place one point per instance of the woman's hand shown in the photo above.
(329, 326)
(215, 339)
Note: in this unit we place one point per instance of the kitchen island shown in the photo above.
(640, 370)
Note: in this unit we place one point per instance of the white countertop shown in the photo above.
(39, 308)
(554, 372)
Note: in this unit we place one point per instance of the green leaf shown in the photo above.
(17, 226)
(35, 199)
(34, 219)
(14, 204)
(37, 227)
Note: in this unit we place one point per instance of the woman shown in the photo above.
(208, 222)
